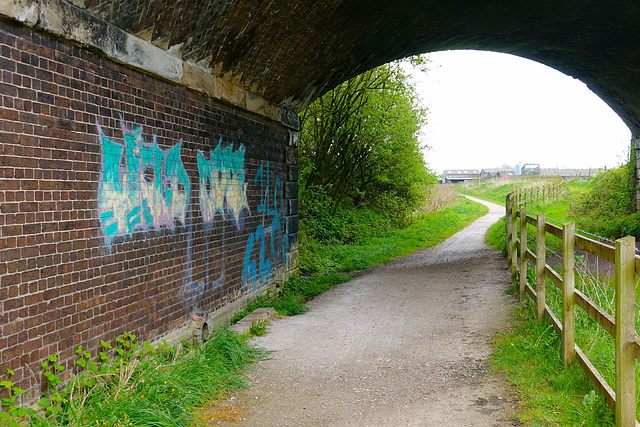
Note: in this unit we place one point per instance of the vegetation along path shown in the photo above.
(406, 343)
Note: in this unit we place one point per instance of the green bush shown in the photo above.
(608, 206)
(616, 228)
(348, 224)
(316, 217)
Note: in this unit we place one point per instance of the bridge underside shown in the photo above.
(292, 52)
(152, 201)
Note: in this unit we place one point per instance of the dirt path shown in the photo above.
(403, 345)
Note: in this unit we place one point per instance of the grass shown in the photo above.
(558, 211)
(530, 354)
(496, 236)
(494, 190)
(147, 386)
(426, 231)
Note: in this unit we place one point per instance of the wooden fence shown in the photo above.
(621, 325)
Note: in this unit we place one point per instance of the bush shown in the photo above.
(348, 224)
(606, 206)
(616, 228)
(316, 219)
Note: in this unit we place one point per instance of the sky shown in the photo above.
(491, 109)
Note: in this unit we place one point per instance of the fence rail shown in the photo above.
(622, 397)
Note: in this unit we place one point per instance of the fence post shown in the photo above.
(523, 252)
(625, 332)
(507, 227)
(568, 297)
(513, 245)
(541, 260)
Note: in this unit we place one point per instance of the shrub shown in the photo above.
(610, 199)
(316, 217)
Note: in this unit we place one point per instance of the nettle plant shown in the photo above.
(11, 410)
(114, 374)
(13, 414)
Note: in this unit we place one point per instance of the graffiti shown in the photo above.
(222, 190)
(269, 238)
(141, 185)
(222, 180)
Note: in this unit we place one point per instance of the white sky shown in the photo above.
(488, 109)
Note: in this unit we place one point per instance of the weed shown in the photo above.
(259, 327)
(14, 413)
(128, 385)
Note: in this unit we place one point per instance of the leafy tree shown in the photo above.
(359, 142)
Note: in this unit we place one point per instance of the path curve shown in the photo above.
(403, 345)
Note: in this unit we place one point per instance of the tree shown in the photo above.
(360, 142)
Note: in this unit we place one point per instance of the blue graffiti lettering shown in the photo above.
(141, 185)
(269, 235)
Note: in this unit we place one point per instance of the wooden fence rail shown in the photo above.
(621, 326)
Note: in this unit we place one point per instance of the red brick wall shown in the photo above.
(126, 203)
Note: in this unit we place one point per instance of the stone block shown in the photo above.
(260, 314)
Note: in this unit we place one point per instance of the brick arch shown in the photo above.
(292, 52)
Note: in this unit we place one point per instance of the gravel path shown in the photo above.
(404, 345)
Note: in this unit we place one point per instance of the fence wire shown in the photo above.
(581, 268)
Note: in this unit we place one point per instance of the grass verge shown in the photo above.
(135, 385)
(530, 354)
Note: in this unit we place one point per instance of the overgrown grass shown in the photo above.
(530, 354)
(427, 230)
(144, 386)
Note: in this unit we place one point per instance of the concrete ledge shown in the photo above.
(65, 20)
(266, 313)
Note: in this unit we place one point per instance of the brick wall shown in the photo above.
(126, 203)
(635, 147)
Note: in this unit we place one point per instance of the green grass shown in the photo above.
(530, 354)
(558, 210)
(426, 231)
(493, 190)
(146, 386)
(496, 236)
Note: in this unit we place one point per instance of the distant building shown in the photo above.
(568, 174)
(549, 172)
(456, 176)
(530, 169)
(504, 171)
